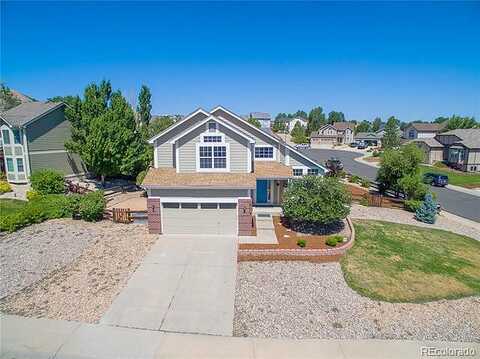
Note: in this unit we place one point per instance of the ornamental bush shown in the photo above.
(412, 205)
(5, 187)
(316, 200)
(91, 206)
(47, 181)
(427, 212)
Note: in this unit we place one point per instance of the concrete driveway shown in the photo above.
(185, 284)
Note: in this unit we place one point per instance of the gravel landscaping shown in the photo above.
(311, 300)
(404, 217)
(70, 270)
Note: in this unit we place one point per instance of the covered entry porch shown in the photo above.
(271, 181)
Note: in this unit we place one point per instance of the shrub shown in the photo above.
(37, 210)
(301, 243)
(364, 201)
(427, 212)
(365, 183)
(355, 179)
(319, 200)
(90, 207)
(332, 241)
(47, 181)
(413, 187)
(5, 187)
(32, 195)
(412, 205)
(375, 153)
(141, 175)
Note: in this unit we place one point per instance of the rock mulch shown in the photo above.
(84, 288)
(311, 300)
(404, 217)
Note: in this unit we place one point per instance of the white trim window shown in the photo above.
(6, 136)
(297, 172)
(213, 157)
(17, 136)
(312, 172)
(212, 138)
(212, 126)
(264, 153)
(20, 167)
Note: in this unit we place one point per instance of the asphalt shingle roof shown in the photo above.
(26, 112)
(470, 136)
(427, 127)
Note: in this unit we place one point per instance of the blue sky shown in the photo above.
(416, 61)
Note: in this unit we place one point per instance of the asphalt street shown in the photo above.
(459, 203)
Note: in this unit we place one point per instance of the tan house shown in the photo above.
(211, 167)
(333, 134)
(422, 130)
(459, 148)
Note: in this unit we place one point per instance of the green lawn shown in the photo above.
(8, 206)
(456, 178)
(401, 263)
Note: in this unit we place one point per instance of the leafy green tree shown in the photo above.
(255, 122)
(376, 124)
(159, 124)
(316, 200)
(300, 113)
(335, 116)
(440, 119)
(363, 126)
(391, 138)
(316, 119)
(279, 126)
(281, 115)
(298, 134)
(7, 99)
(455, 122)
(144, 106)
(413, 187)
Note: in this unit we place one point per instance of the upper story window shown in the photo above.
(264, 152)
(212, 127)
(212, 157)
(298, 172)
(10, 165)
(312, 171)
(20, 168)
(6, 137)
(17, 138)
(212, 138)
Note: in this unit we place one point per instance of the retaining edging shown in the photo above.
(295, 254)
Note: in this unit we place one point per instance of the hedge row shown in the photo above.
(88, 207)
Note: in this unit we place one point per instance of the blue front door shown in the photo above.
(262, 191)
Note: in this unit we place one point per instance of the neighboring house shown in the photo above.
(33, 137)
(211, 167)
(370, 138)
(333, 134)
(458, 148)
(293, 121)
(264, 118)
(422, 130)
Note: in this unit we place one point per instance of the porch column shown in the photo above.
(154, 217)
(245, 218)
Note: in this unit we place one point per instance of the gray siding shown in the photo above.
(187, 147)
(68, 164)
(165, 154)
(49, 132)
(201, 193)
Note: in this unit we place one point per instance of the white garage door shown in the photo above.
(199, 218)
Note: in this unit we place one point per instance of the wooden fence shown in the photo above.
(374, 199)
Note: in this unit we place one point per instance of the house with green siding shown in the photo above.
(33, 137)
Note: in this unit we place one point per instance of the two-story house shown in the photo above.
(422, 130)
(333, 134)
(263, 117)
(33, 138)
(211, 167)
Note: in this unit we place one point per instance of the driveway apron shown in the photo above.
(185, 284)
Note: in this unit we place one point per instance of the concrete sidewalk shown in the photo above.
(185, 284)
(44, 338)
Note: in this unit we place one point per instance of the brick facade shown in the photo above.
(245, 217)
(154, 217)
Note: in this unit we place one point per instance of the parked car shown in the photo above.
(362, 146)
(334, 165)
(354, 144)
(435, 179)
(302, 146)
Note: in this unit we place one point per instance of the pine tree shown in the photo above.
(427, 212)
